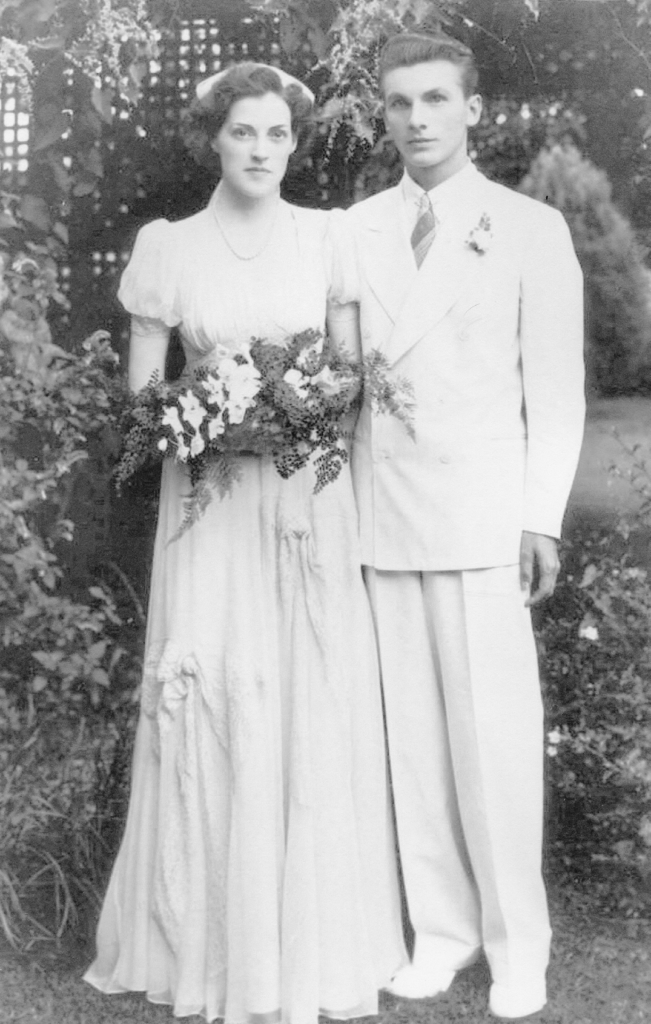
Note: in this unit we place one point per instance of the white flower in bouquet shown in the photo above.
(241, 383)
(242, 380)
(193, 411)
(237, 410)
(171, 419)
(197, 445)
(298, 382)
(216, 390)
(216, 426)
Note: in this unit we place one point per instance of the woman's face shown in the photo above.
(255, 143)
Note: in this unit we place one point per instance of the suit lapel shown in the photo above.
(389, 262)
(449, 270)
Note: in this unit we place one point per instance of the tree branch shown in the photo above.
(646, 60)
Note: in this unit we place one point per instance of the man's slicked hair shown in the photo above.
(409, 48)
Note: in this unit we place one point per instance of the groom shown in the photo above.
(473, 292)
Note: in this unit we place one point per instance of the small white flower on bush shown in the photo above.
(645, 830)
(554, 738)
(298, 381)
(163, 444)
(588, 632)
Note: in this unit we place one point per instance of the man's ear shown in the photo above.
(474, 105)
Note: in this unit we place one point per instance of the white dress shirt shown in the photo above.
(445, 198)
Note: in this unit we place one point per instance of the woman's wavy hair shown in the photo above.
(204, 118)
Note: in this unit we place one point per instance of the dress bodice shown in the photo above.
(184, 274)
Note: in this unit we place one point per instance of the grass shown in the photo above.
(600, 974)
(597, 492)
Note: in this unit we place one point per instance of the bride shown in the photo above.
(256, 880)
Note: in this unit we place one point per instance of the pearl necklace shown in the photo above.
(254, 256)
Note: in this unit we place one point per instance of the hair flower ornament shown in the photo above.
(481, 236)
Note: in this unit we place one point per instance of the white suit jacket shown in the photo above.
(493, 344)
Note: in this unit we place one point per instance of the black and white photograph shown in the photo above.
(325, 511)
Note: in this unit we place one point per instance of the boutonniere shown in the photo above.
(481, 236)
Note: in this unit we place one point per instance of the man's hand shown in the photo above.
(539, 565)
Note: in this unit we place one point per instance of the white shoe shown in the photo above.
(412, 982)
(511, 1002)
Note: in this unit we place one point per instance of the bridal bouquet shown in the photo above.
(285, 401)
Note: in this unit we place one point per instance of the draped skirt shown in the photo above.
(256, 879)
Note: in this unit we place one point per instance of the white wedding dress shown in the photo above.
(256, 880)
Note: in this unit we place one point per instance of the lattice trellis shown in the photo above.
(14, 145)
(199, 48)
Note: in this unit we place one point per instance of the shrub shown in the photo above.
(618, 313)
(68, 664)
(595, 651)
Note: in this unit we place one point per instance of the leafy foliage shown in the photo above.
(68, 667)
(596, 659)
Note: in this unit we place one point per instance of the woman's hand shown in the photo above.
(343, 327)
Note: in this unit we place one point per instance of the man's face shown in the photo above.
(427, 115)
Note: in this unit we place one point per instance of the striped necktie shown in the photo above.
(423, 234)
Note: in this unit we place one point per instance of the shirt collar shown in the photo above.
(450, 193)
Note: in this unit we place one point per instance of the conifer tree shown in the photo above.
(617, 282)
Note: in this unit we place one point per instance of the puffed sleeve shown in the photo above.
(149, 284)
(341, 260)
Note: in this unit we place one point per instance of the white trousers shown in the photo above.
(465, 735)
